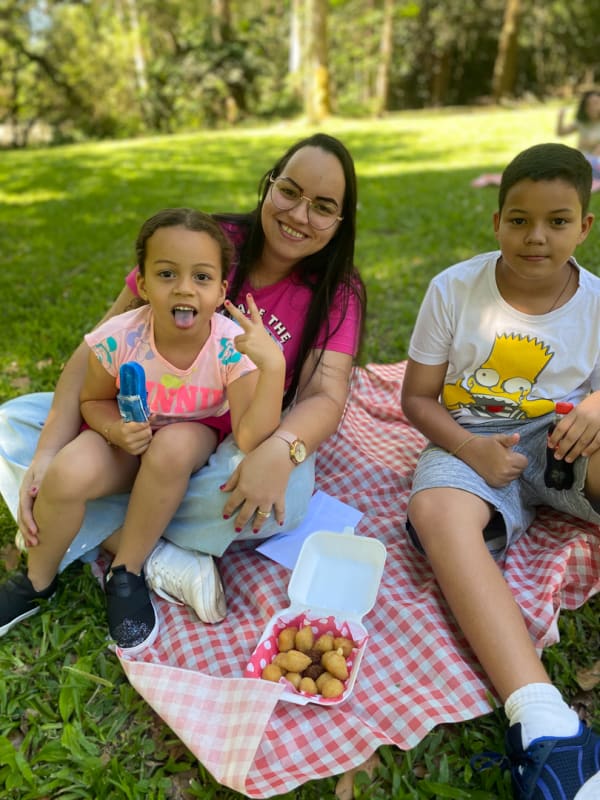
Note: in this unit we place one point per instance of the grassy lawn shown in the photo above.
(70, 724)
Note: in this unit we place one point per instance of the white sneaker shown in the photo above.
(186, 577)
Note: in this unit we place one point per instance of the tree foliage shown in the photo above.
(113, 68)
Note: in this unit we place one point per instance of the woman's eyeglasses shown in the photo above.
(322, 214)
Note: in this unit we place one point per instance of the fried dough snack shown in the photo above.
(314, 667)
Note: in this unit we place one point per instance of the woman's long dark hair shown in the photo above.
(325, 272)
(581, 115)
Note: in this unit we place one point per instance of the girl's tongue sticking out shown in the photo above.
(184, 316)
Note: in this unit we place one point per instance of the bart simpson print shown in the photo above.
(501, 385)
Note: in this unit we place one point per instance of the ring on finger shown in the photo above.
(263, 514)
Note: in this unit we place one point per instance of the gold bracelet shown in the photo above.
(463, 443)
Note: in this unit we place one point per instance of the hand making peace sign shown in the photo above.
(256, 342)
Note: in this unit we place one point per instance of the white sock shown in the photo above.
(541, 710)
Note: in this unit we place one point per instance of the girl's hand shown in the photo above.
(258, 484)
(133, 437)
(28, 491)
(256, 342)
(578, 432)
(494, 458)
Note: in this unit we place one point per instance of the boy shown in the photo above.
(498, 340)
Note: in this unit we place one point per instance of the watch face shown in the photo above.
(298, 451)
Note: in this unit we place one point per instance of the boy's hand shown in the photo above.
(133, 437)
(494, 459)
(255, 342)
(578, 432)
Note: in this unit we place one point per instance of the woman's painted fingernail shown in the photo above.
(222, 486)
(226, 516)
(255, 530)
(238, 529)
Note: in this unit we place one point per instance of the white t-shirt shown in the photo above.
(503, 363)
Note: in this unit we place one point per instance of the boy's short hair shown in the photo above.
(549, 162)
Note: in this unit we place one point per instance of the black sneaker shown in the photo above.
(19, 600)
(132, 618)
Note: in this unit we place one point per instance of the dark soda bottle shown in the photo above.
(558, 473)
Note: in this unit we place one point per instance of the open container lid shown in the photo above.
(338, 573)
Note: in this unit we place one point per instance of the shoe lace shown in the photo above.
(488, 759)
(517, 763)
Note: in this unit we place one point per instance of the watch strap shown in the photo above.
(288, 437)
(297, 448)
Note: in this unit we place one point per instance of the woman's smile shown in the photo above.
(288, 231)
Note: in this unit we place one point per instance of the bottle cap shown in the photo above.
(563, 408)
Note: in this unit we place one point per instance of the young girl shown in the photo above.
(197, 366)
(587, 125)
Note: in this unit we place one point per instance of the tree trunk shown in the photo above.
(129, 18)
(505, 67)
(297, 37)
(139, 62)
(419, 89)
(316, 89)
(382, 80)
(221, 21)
(442, 74)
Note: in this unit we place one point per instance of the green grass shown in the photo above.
(70, 724)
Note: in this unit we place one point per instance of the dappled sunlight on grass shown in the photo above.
(19, 198)
(69, 215)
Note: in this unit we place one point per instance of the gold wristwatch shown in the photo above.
(297, 446)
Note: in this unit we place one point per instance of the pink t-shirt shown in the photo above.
(284, 306)
(195, 393)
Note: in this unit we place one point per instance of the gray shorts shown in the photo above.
(517, 502)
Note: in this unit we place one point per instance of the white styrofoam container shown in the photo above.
(333, 585)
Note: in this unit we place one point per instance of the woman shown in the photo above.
(295, 253)
(587, 125)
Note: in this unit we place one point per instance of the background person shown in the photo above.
(587, 126)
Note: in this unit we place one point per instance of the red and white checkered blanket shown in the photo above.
(417, 671)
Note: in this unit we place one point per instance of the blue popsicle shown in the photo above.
(132, 397)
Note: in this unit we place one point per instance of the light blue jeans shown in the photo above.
(198, 523)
